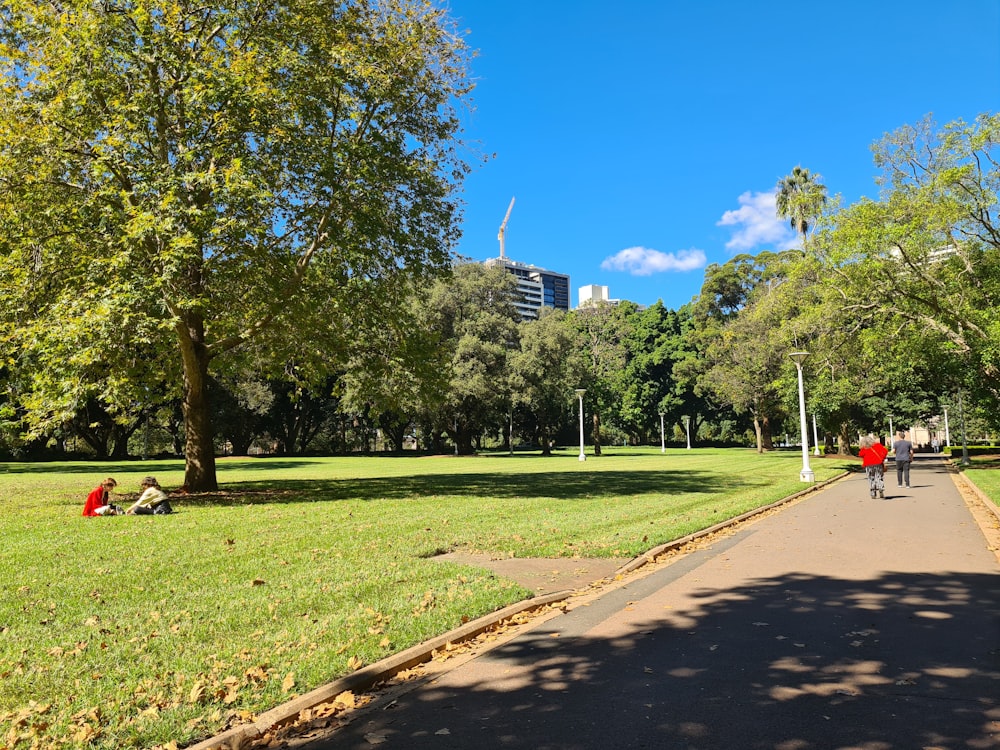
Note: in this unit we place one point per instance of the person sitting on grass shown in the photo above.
(153, 500)
(99, 501)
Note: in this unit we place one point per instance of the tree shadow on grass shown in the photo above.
(904, 661)
(554, 485)
(140, 466)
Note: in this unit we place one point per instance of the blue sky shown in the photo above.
(643, 140)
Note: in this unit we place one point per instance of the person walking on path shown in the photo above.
(903, 449)
(873, 455)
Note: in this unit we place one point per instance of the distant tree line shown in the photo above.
(231, 230)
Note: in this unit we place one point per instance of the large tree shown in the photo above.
(207, 183)
(605, 329)
(472, 325)
(922, 263)
(648, 385)
(740, 330)
(546, 371)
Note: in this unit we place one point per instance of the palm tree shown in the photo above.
(800, 199)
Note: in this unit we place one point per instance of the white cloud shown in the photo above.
(641, 261)
(757, 223)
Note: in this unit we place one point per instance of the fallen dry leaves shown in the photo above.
(325, 717)
(310, 722)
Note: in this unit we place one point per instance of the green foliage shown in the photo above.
(604, 330)
(921, 263)
(747, 334)
(472, 323)
(648, 386)
(800, 199)
(896, 298)
(546, 370)
(198, 189)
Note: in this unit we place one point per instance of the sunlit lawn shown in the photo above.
(135, 631)
(984, 471)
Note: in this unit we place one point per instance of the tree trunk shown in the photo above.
(119, 438)
(99, 443)
(465, 447)
(546, 444)
(174, 428)
(199, 448)
(845, 440)
(765, 437)
(462, 438)
(758, 432)
(596, 435)
(241, 444)
(397, 435)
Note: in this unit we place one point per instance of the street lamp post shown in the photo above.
(806, 475)
(687, 430)
(815, 438)
(892, 434)
(947, 434)
(579, 393)
(663, 442)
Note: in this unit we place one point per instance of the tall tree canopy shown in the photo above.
(473, 321)
(800, 199)
(187, 187)
(924, 256)
(546, 370)
(605, 329)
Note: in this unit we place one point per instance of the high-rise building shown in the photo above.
(538, 287)
(593, 294)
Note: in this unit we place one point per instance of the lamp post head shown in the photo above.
(798, 357)
(580, 392)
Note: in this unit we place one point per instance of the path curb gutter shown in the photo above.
(371, 675)
(651, 555)
(987, 501)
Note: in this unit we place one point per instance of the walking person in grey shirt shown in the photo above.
(903, 449)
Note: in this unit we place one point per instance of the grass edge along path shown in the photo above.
(145, 631)
(982, 478)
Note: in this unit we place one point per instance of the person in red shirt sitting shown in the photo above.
(873, 455)
(98, 502)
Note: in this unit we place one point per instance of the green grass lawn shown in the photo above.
(983, 471)
(140, 630)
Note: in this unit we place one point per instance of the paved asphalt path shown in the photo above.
(839, 622)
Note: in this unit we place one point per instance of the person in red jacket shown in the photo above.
(873, 454)
(98, 502)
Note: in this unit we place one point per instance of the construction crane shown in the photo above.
(503, 227)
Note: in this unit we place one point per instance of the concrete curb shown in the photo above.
(373, 674)
(652, 554)
(986, 500)
(367, 677)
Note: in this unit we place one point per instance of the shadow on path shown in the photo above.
(791, 663)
